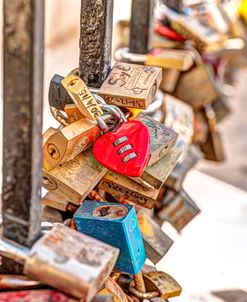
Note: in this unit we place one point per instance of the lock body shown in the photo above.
(117, 225)
(164, 283)
(122, 186)
(162, 138)
(154, 176)
(57, 202)
(180, 117)
(74, 179)
(203, 92)
(179, 209)
(170, 59)
(170, 79)
(130, 85)
(83, 263)
(156, 242)
(66, 143)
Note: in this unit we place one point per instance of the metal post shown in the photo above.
(141, 26)
(95, 41)
(22, 131)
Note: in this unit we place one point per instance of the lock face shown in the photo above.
(180, 117)
(164, 283)
(74, 179)
(156, 242)
(179, 210)
(155, 175)
(66, 143)
(162, 138)
(203, 91)
(170, 59)
(122, 186)
(73, 113)
(117, 225)
(82, 262)
(130, 85)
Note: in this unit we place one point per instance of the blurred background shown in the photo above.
(210, 255)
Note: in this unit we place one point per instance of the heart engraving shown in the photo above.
(126, 150)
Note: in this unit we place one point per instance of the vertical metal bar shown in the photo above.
(95, 41)
(141, 26)
(22, 131)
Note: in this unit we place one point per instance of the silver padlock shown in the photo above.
(69, 261)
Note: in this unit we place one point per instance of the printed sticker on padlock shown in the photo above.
(164, 283)
(156, 242)
(131, 85)
(66, 143)
(75, 179)
(117, 225)
(79, 271)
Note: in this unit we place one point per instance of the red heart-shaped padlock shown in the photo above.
(126, 150)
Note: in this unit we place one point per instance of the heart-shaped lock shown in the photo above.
(125, 150)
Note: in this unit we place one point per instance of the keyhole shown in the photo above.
(53, 151)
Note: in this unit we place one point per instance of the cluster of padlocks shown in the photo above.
(128, 135)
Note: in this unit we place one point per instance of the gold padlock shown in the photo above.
(179, 209)
(130, 85)
(57, 202)
(66, 143)
(180, 117)
(154, 176)
(74, 179)
(169, 80)
(162, 138)
(167, 286)
(121, 186)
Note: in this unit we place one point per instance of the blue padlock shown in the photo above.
(117, 225)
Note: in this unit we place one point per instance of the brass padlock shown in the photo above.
(66, 143)
(130, 85)
(170, 79)
(178, 209)
(162, 138)
(74, 179)
(167, 286)
(178, 174)
(156, 242)
(121, 186)
(57, 202)
(180, 117)
(154, 176)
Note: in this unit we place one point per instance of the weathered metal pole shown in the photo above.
(141, 26)
(22, 129)
(95, 41)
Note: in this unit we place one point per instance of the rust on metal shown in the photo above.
(95, 41)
